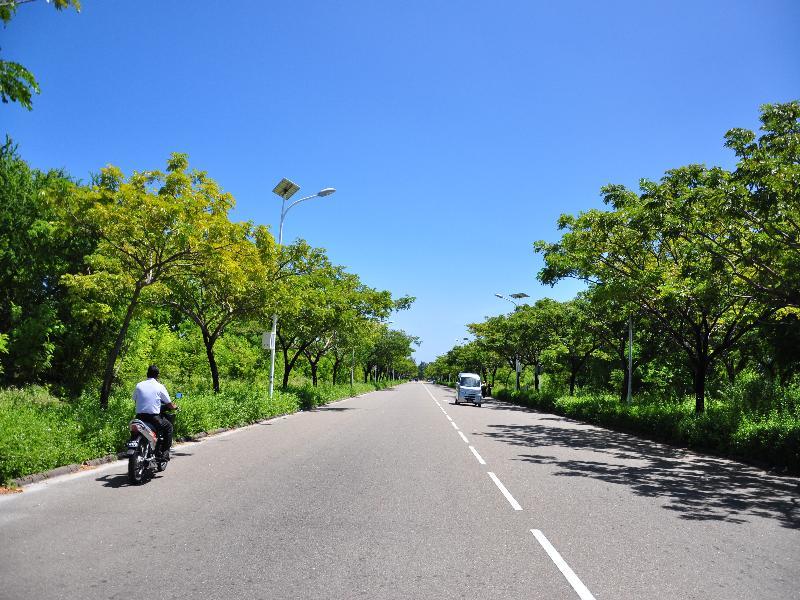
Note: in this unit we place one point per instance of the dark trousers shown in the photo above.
(161, 424)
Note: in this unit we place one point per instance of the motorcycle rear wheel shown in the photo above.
(137, 465)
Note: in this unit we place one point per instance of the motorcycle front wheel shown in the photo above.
(136, 465)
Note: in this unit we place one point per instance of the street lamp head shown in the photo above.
(500, 295)
(326, 192)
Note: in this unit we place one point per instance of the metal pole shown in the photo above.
(275, 315)
(630, 359)
(352, 366)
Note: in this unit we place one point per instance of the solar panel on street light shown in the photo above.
(286, 189)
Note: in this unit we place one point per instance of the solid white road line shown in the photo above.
(448, 417)
(463, 437)
(514, 504)
(577, 584)
(454, 425)
(478, 456)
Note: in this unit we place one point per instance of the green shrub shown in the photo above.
(734, 426)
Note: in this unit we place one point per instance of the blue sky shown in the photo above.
(455, 133)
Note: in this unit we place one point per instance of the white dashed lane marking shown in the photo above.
(514, 504)
(577, 584)
(478, 456)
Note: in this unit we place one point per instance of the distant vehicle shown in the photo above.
(468, 388)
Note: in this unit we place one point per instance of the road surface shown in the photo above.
(402, 494)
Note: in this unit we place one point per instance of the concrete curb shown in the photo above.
(67, 469)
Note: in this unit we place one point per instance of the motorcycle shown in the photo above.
(145, 449)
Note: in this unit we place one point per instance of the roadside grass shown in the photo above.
(730, 426)
(39, 432)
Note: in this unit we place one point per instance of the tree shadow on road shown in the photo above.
(493, 404)
(697, 487)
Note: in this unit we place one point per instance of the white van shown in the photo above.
(468, 388)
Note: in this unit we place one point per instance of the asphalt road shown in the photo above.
(387, 496)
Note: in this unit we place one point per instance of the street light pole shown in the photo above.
(286, 189)
(519, 296)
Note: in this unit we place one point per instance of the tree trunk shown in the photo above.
(536, 377)
(701, 371)
(286, 369)
(313, 373)
(108, 377)
(730, 370)
(700, 389)
(701, 365)
(212, 361)
(288, 365)
(336, 364)
(575, 366)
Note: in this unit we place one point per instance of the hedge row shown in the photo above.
(770, 439)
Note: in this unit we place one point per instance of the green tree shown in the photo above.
(390, 349)
(539, 327)
(150, 228)
(573, 340)
(761, 238)
(609, 322)
(37, 247)
(502, 335)
(316, 306)
(228, 285)
(647, 249)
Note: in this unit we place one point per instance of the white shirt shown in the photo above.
(149, 395)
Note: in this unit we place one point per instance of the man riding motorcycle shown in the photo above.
(151, 397)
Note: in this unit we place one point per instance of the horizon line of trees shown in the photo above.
(704, 263)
